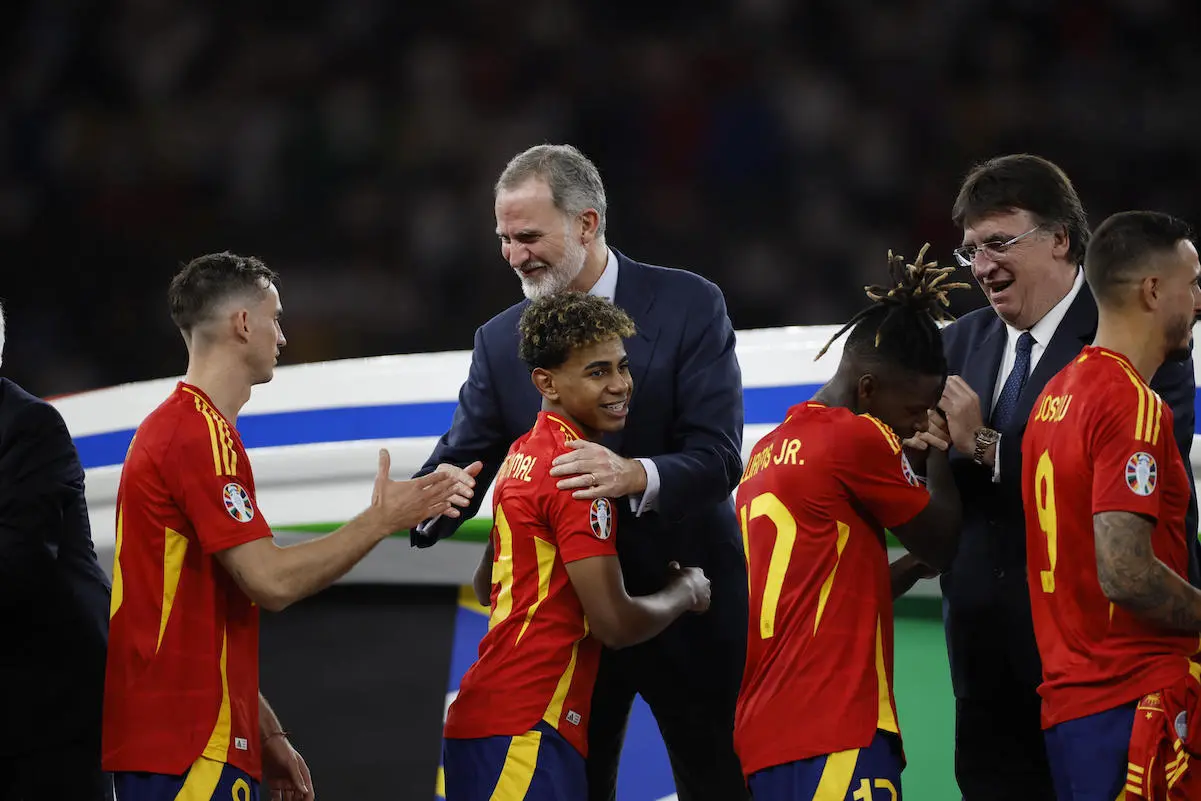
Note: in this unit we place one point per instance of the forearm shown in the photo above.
(269, 724)
(311, 566)
(481, 582)
(937, 548)
(643, 617)
(904, 573)
(1155, 593)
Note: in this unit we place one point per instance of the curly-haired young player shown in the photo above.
(816, 716)
(518, 728)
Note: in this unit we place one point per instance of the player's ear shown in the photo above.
(240, 319)
(865, 390)
(544, 382)
(1150, 291)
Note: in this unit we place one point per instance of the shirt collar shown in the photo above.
(1044, 329)
(606, 286)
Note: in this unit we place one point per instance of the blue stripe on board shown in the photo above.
(392, 421)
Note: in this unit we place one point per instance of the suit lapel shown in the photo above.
(980, 371)
(636, 297)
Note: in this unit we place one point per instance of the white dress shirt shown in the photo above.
(1042, 331)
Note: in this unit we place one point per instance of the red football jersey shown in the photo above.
(537, 661)
(814, 500)
(1099, 440)
(183, 660)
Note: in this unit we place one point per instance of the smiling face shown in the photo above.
(592, 387)
(544, 246)
(1024, 282)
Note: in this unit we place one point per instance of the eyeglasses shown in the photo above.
(966, 255)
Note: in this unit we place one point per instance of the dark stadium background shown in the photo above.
(779, 148)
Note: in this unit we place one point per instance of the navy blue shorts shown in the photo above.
(206, 780)
(860, 774)
(1089, 755)
(536, 766)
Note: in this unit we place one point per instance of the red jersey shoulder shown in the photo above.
(1115, 395)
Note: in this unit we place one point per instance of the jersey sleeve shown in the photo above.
(210, 479)
(582, 528)
(1127, 438)
(879, 476)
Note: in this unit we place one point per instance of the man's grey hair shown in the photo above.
(1, 333)
(575, 183)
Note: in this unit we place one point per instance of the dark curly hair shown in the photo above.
(552, 327)
(208, 280)
(900, 327)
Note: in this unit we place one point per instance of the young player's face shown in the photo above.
(1183, 295)
(593, 387)
(1025, 280)
(539, 242)
(901, 400)
(266, 335)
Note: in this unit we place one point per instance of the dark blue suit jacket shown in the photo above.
(54, 598)
(986, 604)
(686, 413)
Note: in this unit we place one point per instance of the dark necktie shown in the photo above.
(1007, 402)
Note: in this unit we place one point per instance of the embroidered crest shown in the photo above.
(1141, 473)
(237, 503)
(600, 517)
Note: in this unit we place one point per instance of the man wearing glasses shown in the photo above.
(1024, 236)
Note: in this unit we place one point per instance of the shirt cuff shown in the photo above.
(648, 499)
(996, 462)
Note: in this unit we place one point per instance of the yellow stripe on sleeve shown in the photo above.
(889, 435)
(204, 412)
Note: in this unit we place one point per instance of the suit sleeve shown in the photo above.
(880, 477)
(39, 478)
(220, 504)
(707, 430)
(1176, 384)
(476, 434)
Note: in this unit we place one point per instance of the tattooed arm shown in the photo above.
(1133, 578)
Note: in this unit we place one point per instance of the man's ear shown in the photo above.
(1151, 291)
(1061, 243)
(590, 225)
(544, 382)
(865, 390)
(240, 321)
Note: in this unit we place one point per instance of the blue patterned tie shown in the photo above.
(1008, 400)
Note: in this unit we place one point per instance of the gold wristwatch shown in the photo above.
(985, 437)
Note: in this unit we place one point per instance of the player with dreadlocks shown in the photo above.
(816, 715)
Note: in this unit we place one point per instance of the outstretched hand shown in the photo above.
(406, 503)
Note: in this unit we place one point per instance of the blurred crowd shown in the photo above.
(779, 148)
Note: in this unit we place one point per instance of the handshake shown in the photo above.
(404, 504)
